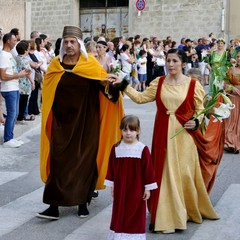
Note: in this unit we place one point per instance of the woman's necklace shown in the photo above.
(178, 81)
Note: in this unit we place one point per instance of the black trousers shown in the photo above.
(33, 107)
(22, 106)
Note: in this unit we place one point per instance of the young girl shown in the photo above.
(131, 177)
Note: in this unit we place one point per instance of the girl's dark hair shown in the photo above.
(22, 47)
(129, 121)
(132, 122)
(181, 54)
(43, 36)
(38, 42)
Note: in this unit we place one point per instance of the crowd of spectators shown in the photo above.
(141, 59)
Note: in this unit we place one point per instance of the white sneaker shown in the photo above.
(18, 141)
(11, 144)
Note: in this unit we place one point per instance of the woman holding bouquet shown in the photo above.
(232, 135)
(106, 107)
(182, 195)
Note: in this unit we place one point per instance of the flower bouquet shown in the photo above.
(216, 104)
(116, 69)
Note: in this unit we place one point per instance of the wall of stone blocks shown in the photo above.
(177, 18)
(50, 16)
(12, 15)
(47, 16)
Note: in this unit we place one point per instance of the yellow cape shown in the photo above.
(88, 68)
(111, 115)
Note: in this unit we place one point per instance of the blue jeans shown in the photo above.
(12, 105)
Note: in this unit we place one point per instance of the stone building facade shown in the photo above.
(177, 18)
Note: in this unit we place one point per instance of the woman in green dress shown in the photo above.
(218, 63)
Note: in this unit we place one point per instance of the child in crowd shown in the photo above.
(142, 70)
(131, 177)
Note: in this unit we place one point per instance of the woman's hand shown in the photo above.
(191, 124)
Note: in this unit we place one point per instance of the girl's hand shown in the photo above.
(146, 195)
(190, 124)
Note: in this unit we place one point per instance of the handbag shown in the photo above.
(38, 76)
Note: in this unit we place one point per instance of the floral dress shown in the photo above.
(24, 83)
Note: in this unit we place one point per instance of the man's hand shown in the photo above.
(113, 79)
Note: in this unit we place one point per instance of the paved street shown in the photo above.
(21, 196)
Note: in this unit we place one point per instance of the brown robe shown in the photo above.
(74, 141)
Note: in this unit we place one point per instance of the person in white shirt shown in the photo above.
(16, 32)
(126, 61)
(10, 88)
